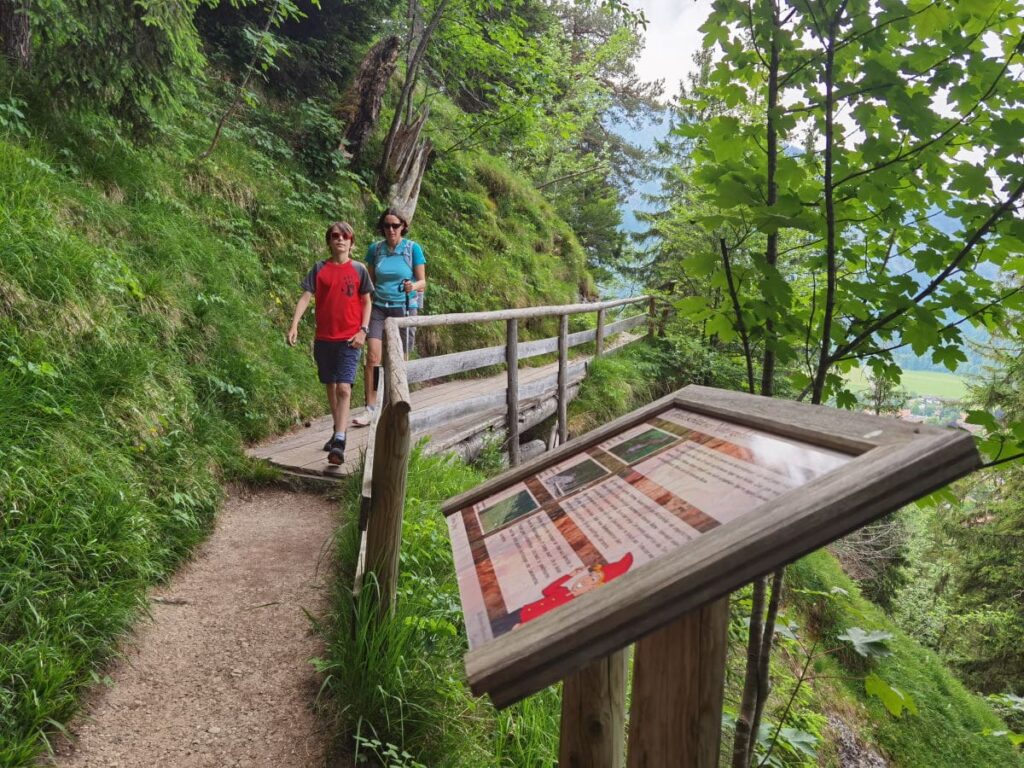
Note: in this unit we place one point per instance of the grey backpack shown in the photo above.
(405, 253)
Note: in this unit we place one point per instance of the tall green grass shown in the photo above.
(136, 354)
(641, 372)
(400, 681)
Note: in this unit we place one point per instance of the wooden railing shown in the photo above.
(387, 456)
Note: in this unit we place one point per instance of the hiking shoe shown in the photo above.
(336, 456)
(329, 444)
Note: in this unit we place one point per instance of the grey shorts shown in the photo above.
(380, 314)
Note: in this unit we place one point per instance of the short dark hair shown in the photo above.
(392, 212)
(340, 226)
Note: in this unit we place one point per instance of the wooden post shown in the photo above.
(599, 338)
(365, 505)
(512, 390)
(563, 367)
(652, 317)
(390, 470)
(593, 731)
(678, 677)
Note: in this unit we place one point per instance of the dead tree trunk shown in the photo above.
(410, 155)
(392, 158)
(362, 105)
(16, 32)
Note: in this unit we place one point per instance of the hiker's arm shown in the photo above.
(300, 308)
(367, 308)
(420, 273)
(360, 338)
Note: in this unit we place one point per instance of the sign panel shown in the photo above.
(614, 507)
(619, 532)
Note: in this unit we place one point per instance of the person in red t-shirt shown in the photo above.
(342, 289)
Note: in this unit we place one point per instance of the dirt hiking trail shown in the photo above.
(220, 675)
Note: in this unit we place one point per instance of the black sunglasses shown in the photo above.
(388, 225)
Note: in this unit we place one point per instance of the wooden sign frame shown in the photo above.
(892, 463)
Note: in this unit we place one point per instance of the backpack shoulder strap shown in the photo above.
(407, 252)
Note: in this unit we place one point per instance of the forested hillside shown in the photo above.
(168, 170)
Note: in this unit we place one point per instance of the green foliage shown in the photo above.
(131, 58)
(965, 570)
(640, 373)
(543, 81)
(321, 41)
(848, 243)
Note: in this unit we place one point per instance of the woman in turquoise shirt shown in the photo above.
(398, 271)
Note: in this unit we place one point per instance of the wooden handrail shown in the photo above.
(526, 313)
(460, 362)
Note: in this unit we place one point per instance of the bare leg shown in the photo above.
(373, 348)
(332, 399)
(343, 397)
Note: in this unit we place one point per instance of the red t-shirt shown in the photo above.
(338, 288)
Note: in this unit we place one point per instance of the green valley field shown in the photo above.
(948, 386)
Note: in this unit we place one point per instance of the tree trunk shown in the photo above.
(409, 156)
(771, 254)
(390, 158)
(741, 746)
(362, 104)
(16, 32)
(764, 687)
(831, 245)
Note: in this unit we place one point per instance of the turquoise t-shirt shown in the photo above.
(391, 270)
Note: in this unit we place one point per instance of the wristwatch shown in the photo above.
(364, 329)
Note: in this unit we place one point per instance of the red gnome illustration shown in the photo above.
(572, 585)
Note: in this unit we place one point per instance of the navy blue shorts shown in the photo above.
(336, 361)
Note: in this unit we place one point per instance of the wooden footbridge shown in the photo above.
(461, 414)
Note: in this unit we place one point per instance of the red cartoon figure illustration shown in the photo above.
(574, 584)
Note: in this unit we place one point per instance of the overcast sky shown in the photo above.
(672, 38)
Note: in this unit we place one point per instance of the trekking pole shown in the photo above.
(405, 341)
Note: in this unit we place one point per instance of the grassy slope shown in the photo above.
(143, 300)
(946, 732)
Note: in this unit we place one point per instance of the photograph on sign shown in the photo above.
(613, 508)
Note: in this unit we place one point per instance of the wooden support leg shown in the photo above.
(594, 715)
(678, 675)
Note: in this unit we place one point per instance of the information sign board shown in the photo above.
(613, 535)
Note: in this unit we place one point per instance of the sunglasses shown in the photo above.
(340, 236)
(388, 225)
